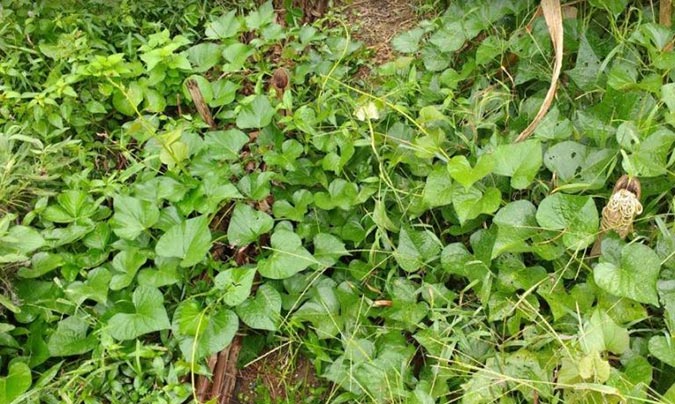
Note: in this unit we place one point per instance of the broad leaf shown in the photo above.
(288, 256)
(416, 249)
(634, 277)
(132, 216)
(70, 338)
(471, 203)
(148, 316)
(235, 284)
(262, 312)
(16, 382)
(461, 171)
(247, 225)
(256, 114)
(210, 332)
(189, 240)
(520, 161)
(575, 216)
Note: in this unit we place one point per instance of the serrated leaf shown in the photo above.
(247, 225)
(225, 26)
(189, 240)
(635, 277)
(263, 312)
(148, 316)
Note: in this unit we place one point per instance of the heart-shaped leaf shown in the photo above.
(520, 161)
(132, 216)
(576, 216)
(663, 348)
(16, 382)
(288, 257)
(256, 114)
(471, 203)
(70, 338)
(263, 311)
(247, 225)
(189, 240)
(149, 315)
(461, 171)
(634, 277)
(209, 332)
(416, 249)
(125, 265)
(236, 284)
(438, 188)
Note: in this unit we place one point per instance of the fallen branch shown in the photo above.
(198, 99)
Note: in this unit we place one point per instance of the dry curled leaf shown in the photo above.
(553, 17)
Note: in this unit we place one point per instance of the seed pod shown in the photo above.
(621, 209)
(280, 81)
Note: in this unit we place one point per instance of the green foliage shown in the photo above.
(391, 229)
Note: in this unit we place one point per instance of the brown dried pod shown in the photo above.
(280, 81)
(620, 211)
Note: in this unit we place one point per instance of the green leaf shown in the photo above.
(16, 382)
(256, 114)
(204, 56)
(94, 288)
(471, 203)
(416, 249)
(650, 157)
(520, 161)
(408, 41)
(72, 205)
(341, 194)
(576, 216)
(328, 249)
(235, 284)
(263, 312)
(225, 26)
(462, 172)
(288, 256)
(587, 67)
(132, 216)
(247, 225)
(635, 277)
(127, 101)
(18, 242)
(438, 188)
(149, 315)
(125, 265)
(225, 144)
(41, 263)
(600, 333)
(189, 240)
(195, 326)
(70, 338)
(663, 348)
(516, 223)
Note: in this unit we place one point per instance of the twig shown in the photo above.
(198, 99)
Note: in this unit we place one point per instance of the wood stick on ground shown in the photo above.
(198, 99)
(225, 375)
(203, 382)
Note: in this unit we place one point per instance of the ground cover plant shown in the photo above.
(375, 223)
